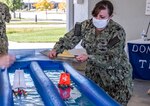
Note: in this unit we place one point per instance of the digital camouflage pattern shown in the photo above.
(4, 17)
(108, 65)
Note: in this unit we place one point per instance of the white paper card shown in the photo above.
(147, 11)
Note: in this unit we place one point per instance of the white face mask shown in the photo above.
(100, 23)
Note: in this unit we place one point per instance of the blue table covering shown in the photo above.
(139, 56)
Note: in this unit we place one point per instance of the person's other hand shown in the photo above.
(6, 61)
(82, 57)
(52, 54)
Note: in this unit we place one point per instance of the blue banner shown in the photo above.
(139, 56)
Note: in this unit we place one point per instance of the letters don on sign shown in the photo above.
(139, 56)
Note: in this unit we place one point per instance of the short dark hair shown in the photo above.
(102, 5)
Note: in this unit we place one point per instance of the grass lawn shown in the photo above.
(35, 34)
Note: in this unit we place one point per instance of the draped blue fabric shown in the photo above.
(139, 56)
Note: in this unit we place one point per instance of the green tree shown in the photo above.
(13, 4)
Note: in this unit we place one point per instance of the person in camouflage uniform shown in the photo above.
(4, 17)
(104, 41)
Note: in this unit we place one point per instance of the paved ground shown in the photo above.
(37, 26)
(52, 14)
(140, 96)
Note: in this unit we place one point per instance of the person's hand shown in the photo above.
(6, 61)
(82, 57)
(52, 54)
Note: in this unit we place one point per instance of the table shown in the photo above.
(139, 56)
